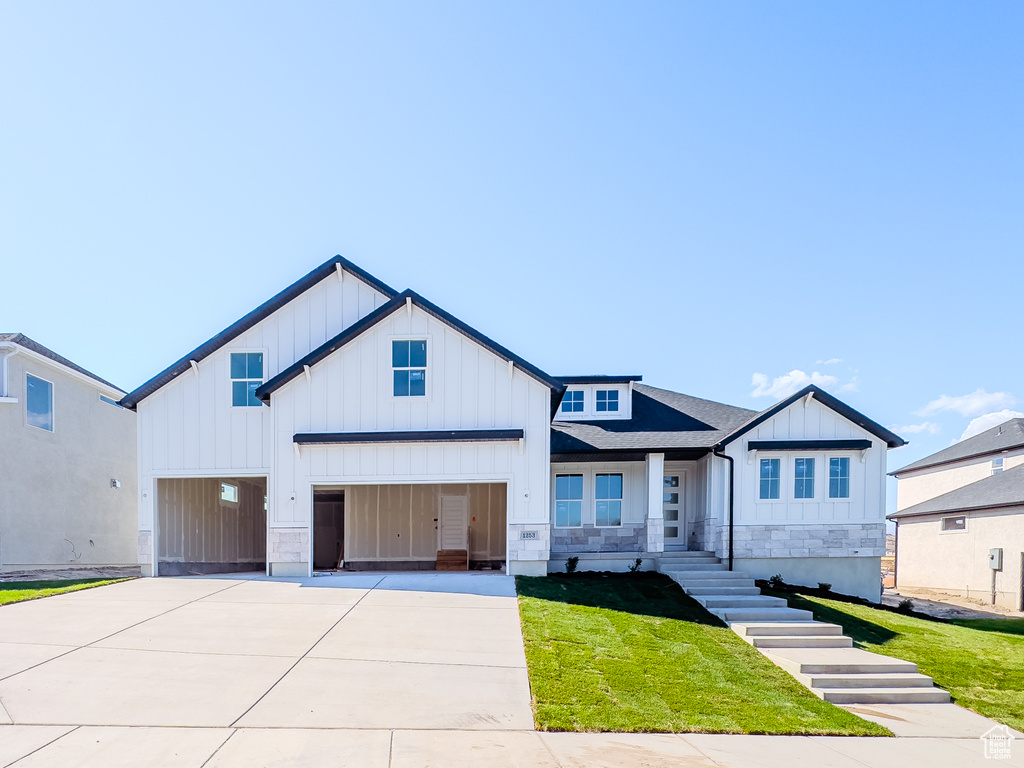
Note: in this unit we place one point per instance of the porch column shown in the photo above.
(655, 494)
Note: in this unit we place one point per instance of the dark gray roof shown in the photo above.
(891, 439)
(239, 327)
(662, 421)
(24, 341)
(1003, 489)
(1004, 437)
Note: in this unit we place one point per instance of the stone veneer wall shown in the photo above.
(288, 545)
(821, 540)
(625, 538)
(535, 549)
(146, 552)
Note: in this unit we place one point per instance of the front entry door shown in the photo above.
(675, 518)
(453, 528)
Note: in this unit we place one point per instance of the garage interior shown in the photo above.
(211, 525)
(400, 527)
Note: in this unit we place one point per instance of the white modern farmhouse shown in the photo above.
(345, 424)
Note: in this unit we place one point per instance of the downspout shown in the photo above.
(11, 351)
(732, 483)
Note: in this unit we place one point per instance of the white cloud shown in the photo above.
(978, 401)
(989, 420)
(830, 361)
(850, 386)
(789, 383)
(916, 429)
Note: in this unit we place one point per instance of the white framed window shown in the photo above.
(803, 478)
(246, 377)
(229, 493)
(572, 401)
(997, 465)
(607, 400)
(607, 500)
(38, 402)
(568, 501)
(769, 478)
(839, 477)
(409, 367)
(952, 524)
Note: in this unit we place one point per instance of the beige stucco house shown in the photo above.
(960, 518)
(67, 464)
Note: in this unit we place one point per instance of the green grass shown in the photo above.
(979, 661)
(18, 591)
(631, 652)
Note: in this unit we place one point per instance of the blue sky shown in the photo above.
(729, 198)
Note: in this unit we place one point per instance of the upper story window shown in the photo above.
(803, 478)
(608, 498)
(607, 400)
(954, 523)
(839, 477)
(997, 465)
(409, 361)
(770, 479)
(572, 402)
(38, 402)
(568, 501)
(246, 377)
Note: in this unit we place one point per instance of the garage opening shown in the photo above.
(211, 525)
(328, 530)
(410, 527)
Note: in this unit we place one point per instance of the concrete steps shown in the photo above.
(817, 654)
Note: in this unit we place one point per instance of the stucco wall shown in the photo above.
(57, 506)
(957, 561)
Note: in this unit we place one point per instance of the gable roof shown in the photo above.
(398, 302)
(663, 421)
(261, 312)
(1003, 437)
(34, 346)
(890, 438)
(1003, 489)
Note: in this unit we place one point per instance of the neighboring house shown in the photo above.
(343, 423)
(67, 464)
(960, 518)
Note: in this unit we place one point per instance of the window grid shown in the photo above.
(568, 501)
(246, 377)
(770, 479)
(803, 478)
(607, 500)
(572, 402)
(839, 478)
(997, 466)
(409, 362)
(607, 400)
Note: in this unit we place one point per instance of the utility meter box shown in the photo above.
(995, 559)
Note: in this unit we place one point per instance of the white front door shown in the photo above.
(454, 524)
(672, 505)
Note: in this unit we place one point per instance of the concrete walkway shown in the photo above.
(361, 670)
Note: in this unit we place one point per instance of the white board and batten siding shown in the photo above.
(808, 421)
(467, 388)
(189, 428)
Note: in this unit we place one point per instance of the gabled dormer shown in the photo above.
(592, 398)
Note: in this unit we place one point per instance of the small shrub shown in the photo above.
(906, 605)
(636, 565)
(776, 581)
(571, 563)
(824, 586)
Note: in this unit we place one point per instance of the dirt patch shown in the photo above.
(946, 606)
(50, 574)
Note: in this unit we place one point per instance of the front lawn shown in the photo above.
(17, 591)
(979, 661)
(632, 652)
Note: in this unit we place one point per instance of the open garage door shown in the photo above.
(211, 525)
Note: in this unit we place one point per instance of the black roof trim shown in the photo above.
(808, 445)
(598, 379)
(612, 455)
(399, 301)
(34, 346)
(890, 438)
(239, 327)
(430, 436)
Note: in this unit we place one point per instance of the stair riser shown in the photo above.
(807, 628)
(751, 602)
(698, 567)
(803, 641)
(810, 670)
(896, 696)
(778, 614)
(712, 591)
(870, 681)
